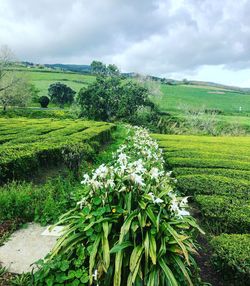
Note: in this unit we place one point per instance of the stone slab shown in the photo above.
(27, 246)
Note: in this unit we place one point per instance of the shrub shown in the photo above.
(232, 257)
(209, 184)
(223, 214)
(61, 94)
(44, 142)
(44, 101)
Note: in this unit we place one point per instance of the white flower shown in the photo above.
(154, 173)
(137, 179)
(158, 201)
(86, 179)
(81, 202)
(174, 205)
(183, 213)
(110, 183)
(184, 202)
(95, 275)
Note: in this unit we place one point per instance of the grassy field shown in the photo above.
(27, 144)
(177, 98)
(43, 78)
(215, 172)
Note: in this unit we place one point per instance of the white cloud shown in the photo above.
(160, 37)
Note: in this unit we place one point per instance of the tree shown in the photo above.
(98, 68)
(111, 99)
(44, 101)
(18, 94)
(61, 94)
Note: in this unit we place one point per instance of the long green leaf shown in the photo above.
(92, 257)
(168, 273)
(182, 268)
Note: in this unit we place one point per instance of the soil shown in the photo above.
(207, 272)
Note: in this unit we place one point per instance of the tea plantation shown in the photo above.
(215, 172)
(27, 144)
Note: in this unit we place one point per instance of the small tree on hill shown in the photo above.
(44, 101)
(61, 94)
(110, 99)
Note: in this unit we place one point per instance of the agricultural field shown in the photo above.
(178, 98)
(27, 144)
(43, 79)
(215, 172)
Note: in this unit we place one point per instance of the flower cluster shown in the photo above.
(138, 167)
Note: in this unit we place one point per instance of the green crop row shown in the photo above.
(215, 171)
(223, 214)
(231, 255)
(233, 174)
(39, 143)
(213, 185)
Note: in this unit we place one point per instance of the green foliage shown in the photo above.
(44, 101)
(124, 235)
(44, 142)
(61, 94)
(232, 257)
(43, 203)
(224, 214)
(98, 68)
(111, 99)
(210, 184)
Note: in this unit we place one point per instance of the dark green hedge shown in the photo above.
(30, 149)
(209, 184)
(231, 256)
(222, 214)
(233, 174)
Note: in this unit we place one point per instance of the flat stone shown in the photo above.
(26, 246)
(53, 231)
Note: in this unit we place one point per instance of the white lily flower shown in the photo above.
(158, 201)
(183, 213)
(95, 275)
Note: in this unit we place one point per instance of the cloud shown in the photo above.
(157, 37)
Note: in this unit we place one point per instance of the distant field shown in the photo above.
(43, 142)
(179, 97)
(43, 79)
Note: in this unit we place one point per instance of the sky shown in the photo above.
(194, 39)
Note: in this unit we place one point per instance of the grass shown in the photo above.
(179, 97)
(43, 79)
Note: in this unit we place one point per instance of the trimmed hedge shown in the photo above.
(38, 143)
(223, 214)
(233, 174)
(232, 257)
(210, 184)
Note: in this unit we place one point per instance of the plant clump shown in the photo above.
(130, 229)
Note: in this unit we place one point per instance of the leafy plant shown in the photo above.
(130, 228)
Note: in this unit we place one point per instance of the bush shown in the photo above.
(232, 257)
(44, 142)
(209, 184)
(61, 94)
(44, 101)
(232, 174)
(223, 214)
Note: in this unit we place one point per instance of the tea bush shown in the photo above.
(44, 142)
(232, 257)
(224, 214)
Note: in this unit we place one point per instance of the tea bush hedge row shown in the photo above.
(225, 214)
(228, 173)
(33, 143)
(211, 184)
(232, 257)
(215, 171)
